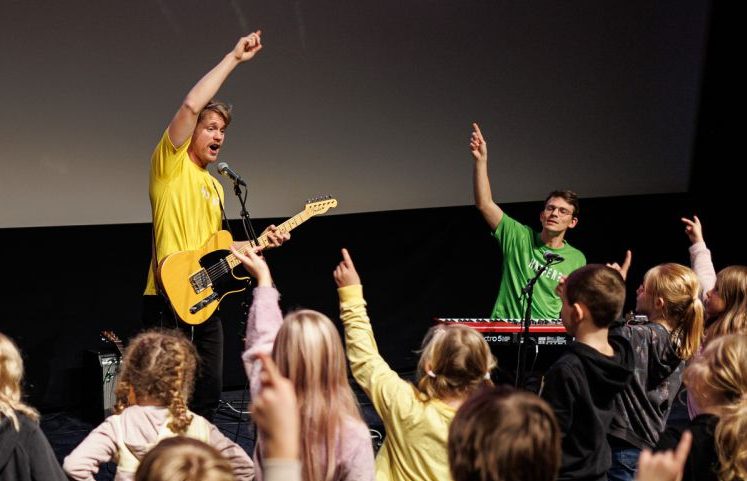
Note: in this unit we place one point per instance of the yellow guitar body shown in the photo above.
(194, 305)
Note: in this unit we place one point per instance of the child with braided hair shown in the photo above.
(154, 387)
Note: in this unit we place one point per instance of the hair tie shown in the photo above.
(487, 376)
(431, 373)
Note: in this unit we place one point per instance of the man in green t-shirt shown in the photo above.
(524, 250)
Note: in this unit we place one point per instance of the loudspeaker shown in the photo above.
(101, 370)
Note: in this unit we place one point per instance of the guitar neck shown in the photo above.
(264, 241)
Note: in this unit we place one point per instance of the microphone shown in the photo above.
(226, 171)
(553, 257)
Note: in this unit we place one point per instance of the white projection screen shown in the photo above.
(369, 101)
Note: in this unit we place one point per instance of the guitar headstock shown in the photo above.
(320, 205)
(109, 336)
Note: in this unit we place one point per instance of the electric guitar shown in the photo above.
(196, 281)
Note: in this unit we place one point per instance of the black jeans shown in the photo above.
(207, 339)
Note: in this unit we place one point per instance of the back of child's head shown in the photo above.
(718, 378)
(160, 366)
(731, 287)
(600, 288)
(501, 434)
(678, 287)
(183, 459)
(454, 361)
(11, 374)
(308, 350)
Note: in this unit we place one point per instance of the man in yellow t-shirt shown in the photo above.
(186, 205)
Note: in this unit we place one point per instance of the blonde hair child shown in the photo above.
(25, 453)
(454, 362)
(154, 387)
(718, 380)
(669, 297)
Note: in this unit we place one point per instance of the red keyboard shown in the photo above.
(508, 331)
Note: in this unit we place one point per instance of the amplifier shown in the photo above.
(101, 371)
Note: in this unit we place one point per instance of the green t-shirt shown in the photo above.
(523, 255)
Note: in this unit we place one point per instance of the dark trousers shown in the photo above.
(207, 339)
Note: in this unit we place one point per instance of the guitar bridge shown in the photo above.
(200, 305)
(200, 281)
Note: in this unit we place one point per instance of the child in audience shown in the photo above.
(724, 294)
(718, 381)
(184, 459)
(581, 386)
(335, 442)
(501, 434)
(25, 453)
(669, 297)
(154, 387)
(454, 363)
(275, 410)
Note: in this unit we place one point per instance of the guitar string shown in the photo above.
(220, 268)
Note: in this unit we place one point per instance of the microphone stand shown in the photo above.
(528, 290)
(246, 220)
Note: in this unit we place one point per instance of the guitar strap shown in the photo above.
(222, 210)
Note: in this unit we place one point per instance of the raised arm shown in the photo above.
(481, 182)
(625, 267)
(700, 255)
(387, 391)
(265, 317)
(185, 119)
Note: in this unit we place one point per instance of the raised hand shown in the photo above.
(345, 273)
(276, 413)
(693, 229)
(255, 264)
(666, 465)
(247, 47)
(477, 144)
(623, 269)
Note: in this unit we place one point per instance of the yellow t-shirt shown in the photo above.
(185, 202)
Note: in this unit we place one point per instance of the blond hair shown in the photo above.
(502, 434)
(11, 374)
(159, 365)
(731, 285)
(184, 459)
(718, 378)
(308, 351)
(678, 286)
(221, 108)
(455, 360)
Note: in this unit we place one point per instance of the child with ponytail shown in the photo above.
(454, 363)
(154, 387)
(718, 381)
(669, 298)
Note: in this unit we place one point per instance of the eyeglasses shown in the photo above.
(549, 208)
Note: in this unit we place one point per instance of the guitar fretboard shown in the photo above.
(264, 241)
